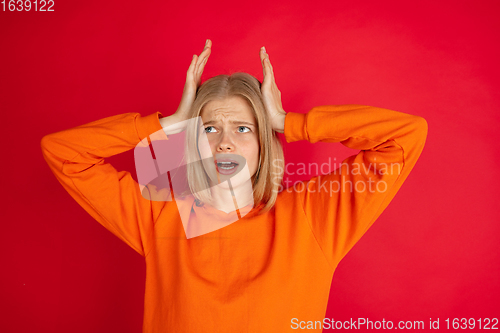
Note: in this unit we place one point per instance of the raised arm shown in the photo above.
(77, 158)
(342, 205)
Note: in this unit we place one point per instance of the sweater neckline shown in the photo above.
(210, 212)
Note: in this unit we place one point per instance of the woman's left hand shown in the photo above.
(271, 94)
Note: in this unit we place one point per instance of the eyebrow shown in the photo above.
(211, 122)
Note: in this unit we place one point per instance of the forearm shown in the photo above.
(398, 135)
(87, 144)
(173, 124)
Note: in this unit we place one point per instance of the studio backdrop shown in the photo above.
(431, 255)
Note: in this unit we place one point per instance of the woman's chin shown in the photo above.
(229, 183)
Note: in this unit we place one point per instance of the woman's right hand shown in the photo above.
(174, 124)
(193, 80)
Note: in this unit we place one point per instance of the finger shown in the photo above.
(199, 72)
(208, 43)
(270, 71)
(270, 66)
(202, 62)
(204, 55)
(263, 57)
(262, 54)
(264, 63)
(192, 65)
(200, 66)
(267, 67)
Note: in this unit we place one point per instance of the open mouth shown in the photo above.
(227, 165)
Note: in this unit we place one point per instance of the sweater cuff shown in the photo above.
(295, 127)
(148, 125)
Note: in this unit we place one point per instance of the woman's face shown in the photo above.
(232, 134)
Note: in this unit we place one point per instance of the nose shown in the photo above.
(225, 143)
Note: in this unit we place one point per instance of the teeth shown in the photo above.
(227, 165)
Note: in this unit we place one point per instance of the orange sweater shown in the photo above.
(257, 274)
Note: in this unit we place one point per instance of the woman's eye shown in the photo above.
(209, 129)
(243, 129)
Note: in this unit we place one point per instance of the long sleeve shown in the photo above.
(343, 204)
(76, 157)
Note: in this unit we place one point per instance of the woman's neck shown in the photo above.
(228, 198)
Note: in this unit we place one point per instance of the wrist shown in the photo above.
(172, 124)
(279, 123)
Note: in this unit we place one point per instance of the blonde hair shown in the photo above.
(269, 175)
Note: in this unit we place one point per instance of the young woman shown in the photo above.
(266, 261)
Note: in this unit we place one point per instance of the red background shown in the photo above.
(432, 254)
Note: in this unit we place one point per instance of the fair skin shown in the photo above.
(229, 123)
(269, 89)
(231, 129)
